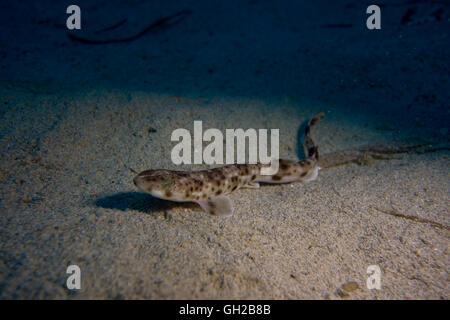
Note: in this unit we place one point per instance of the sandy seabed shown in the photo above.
(68, 199)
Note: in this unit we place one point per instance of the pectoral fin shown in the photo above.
(252, 185)
(218, 206)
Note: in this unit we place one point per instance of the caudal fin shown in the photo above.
(310, 149)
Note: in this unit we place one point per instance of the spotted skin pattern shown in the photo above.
(209, 188)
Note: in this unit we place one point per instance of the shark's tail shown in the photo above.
(310, 149)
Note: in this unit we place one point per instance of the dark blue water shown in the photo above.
(320, 51)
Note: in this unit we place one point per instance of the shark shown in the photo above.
(211, 188)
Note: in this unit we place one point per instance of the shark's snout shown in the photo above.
(136, 181)
(143, 182)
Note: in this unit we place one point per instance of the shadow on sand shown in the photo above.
(141, 202)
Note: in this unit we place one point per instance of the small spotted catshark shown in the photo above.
(209, 188)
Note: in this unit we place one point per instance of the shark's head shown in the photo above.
(159, 183)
